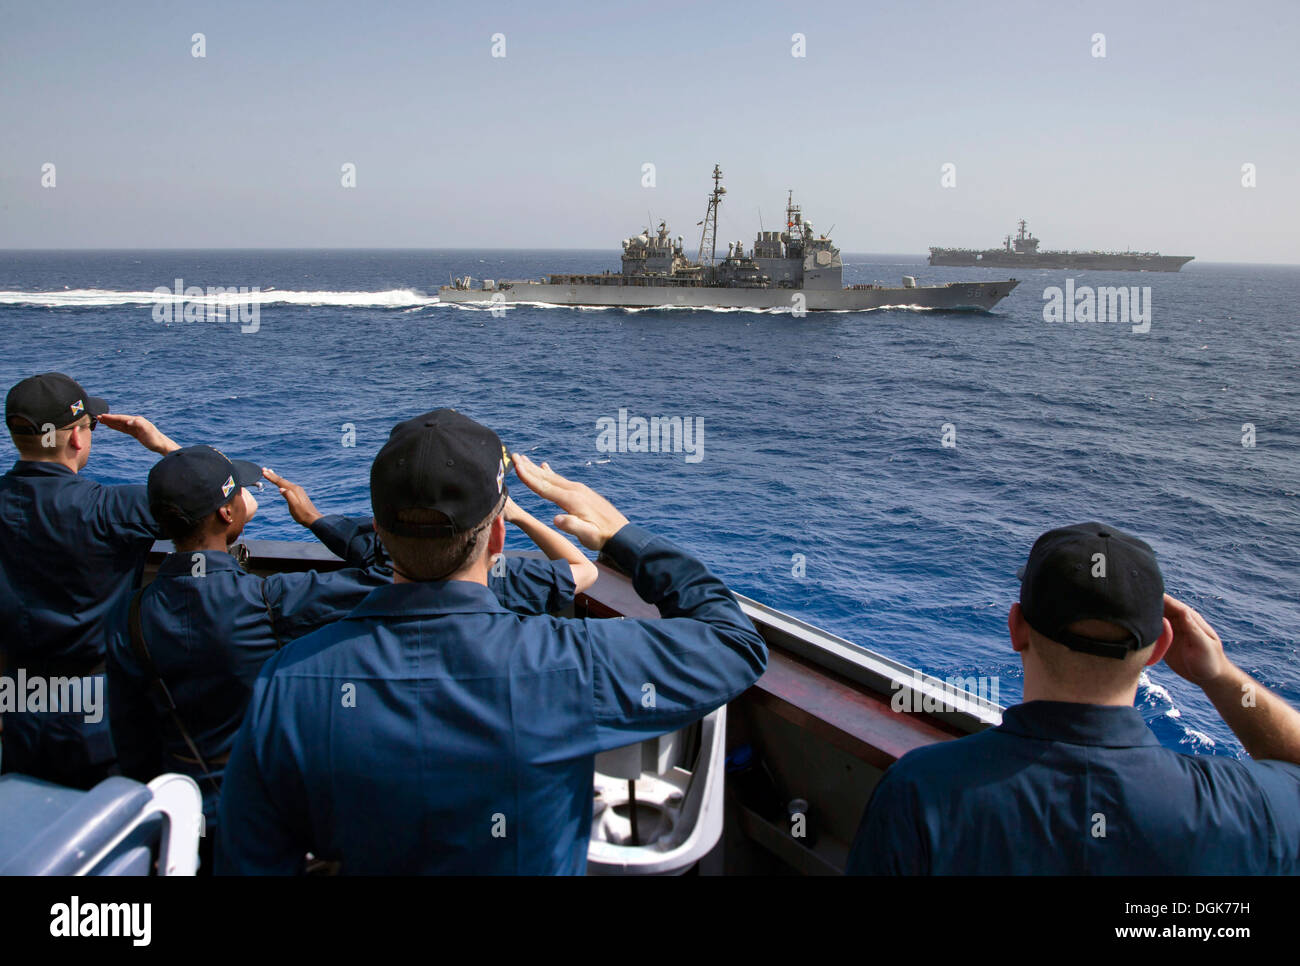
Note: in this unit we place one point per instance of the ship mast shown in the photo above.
(793, 220)
(709, 237)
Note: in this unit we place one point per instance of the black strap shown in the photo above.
(141, 650)
(270, 618)
(242, 556)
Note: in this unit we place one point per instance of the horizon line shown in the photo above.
(412, 248)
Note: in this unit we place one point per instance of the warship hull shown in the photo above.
(955, 296)
(1098, 261)
(796, 270)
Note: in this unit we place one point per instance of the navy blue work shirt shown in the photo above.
(433, 731)
(209, 636)
(1077, 789)
(71, 552)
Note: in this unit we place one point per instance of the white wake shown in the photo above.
(401, 298)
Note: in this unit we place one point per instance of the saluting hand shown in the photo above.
(1196, 652)
(587, 515)
(149, 435)
(300, 506)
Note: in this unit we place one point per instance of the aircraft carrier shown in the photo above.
(795, 269)
(1022, 252)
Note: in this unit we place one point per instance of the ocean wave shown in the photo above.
(407, 299)
(402, 298)
(1198, 741)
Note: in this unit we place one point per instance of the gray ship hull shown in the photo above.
(1097, 261)
(955, 296)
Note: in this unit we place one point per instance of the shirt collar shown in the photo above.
(181, 563)
(1109, 726)
(40, 468)
(428, 599)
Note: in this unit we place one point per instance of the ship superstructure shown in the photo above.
(797, 269)
(1022, 251)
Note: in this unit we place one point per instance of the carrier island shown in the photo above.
(795, 269)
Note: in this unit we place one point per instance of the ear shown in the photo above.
(1019, 628)
(79, 438)
(497, 536)
(1162, 644)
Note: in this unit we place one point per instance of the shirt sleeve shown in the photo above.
(654, 676)
(123, 517)
(351, 539)
(1280, 783)
(133, 720)
(888, 840)
(301, 603)
(254, 837)
(531, 587)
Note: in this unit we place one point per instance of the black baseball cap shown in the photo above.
(196, 480)
(49, 399)
(1090, 571)
(441, 461)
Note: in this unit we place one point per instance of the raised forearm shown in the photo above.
(162, 444)
(550, 542)
(1266, 725)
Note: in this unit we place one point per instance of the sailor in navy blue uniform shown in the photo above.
(433, 731)
(200, 632)
(71, 552)
(1073, 782)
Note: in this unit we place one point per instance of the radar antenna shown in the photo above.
(709, 237)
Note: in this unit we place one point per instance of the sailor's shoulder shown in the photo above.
(1244, 775)
(324, 651)
(946, 761)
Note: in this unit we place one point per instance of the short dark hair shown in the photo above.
(178, 526)
(435, 558)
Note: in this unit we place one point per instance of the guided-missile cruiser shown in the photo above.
(1022, 252)
(795, 269)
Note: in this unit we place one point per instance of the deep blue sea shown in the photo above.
(822, 435)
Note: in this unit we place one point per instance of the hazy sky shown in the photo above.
(544, 147)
